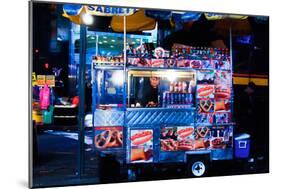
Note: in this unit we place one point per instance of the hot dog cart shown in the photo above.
(162, 106)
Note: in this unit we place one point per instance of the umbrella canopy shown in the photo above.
(238, 27)
(136, 22)
(239, 24)
(75, 13)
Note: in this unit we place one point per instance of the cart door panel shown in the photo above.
(108, 108)
(159, 116)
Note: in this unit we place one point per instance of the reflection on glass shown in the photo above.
(166, 89)
(109, 89)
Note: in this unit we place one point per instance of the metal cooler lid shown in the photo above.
(242, 136)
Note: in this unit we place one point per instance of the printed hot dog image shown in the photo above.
(205, 91)
(108, 137)
(186, 144)
(177, 138)
(169, 145)
(185, 132)
(141, 145)
(168, 138)
(222, 92)
(141, 137)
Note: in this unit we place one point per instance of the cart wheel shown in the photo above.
(197, 168)
(132, 175)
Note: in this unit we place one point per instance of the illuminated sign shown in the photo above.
(109, 11)
(34, 80)
(215, 16)
(41, 80)
(46, 79)
(50, 80)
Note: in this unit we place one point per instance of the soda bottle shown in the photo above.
(164, 100)
(172, 98)
(183, 98)
(186, 101)
(175, 87)
(184, 85)
(180, 86)
(176, 98)
(171, 87)
(168, 99)
(179, 98)
(190, 100)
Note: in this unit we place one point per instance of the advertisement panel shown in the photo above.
(141, 142)
(108, 137)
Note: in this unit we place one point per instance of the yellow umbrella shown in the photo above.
(77, 19)
(135, 22)
(239, 24)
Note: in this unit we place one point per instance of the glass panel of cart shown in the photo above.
(108, 109)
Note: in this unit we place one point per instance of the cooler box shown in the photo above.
(242, 146)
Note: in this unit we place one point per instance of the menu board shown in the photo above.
(186, 138)
(108, 137)
(141, 145)
(213, 97)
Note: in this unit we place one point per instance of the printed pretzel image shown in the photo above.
(206, 105)
(108, 139)
(202, 131)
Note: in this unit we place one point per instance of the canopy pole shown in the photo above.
(231, 63)
(124, 83)
(125, 62)
(92, 63)
(125, 41)
(230, 45)
(81, 105)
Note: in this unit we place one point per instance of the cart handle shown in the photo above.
(242, 144)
